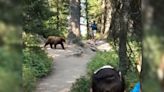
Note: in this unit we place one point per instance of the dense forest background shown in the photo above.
(134, 32)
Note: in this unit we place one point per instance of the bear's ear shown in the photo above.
(63, 40)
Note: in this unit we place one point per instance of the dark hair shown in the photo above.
(107, 80)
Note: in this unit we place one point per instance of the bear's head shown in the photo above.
(63, 39)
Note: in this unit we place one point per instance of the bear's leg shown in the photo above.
(62, 45)
(51, 45)
(46, 44)
(55, 45)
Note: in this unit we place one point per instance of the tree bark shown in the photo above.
(74, 21)
(105, 18)
(86, 10)
(103, 6)
(123, 65)
(75, 17)
(57, 16)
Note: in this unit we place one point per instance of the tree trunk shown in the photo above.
(123, 65)
(86, 10)
(74, 21)
(75, 17)
(103, 6)
(57, 16)
(105, 18)
(114, 28)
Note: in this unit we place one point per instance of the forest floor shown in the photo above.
(69, 64)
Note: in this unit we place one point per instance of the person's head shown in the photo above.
(94, 21)
(107, 79)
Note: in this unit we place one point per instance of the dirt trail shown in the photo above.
(67, 68)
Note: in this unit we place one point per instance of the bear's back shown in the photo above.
(57, 39)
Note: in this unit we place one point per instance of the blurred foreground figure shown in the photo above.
(107, 79)
(152, 74)
(137, 88)
(160, 73)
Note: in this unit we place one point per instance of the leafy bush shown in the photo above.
(36, 64)
(37, 59)
(29, 79)
(111, 58)
(104, 58)
(30, 39)
(10, 69)
(101, 59)
(81, 85)
(9, 81)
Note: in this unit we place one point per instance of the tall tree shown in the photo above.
(57, 15)
(74, 21)
(34, 15)
(125, 31)
(105, 17)
(58, 23)
(87, 18)
(123, 36)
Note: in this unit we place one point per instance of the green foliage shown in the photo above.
(111, 58)
(30, 39)
(34, 15)
(29, 79)
(101, 59)
(36, 64)
(40, 17)
(37, 60)
(52, 29)
(134, 52)
(9, 81)
(131, 78)
(94, 9)
(10, 55)
(104, 58)
(10, 59)
(81, 85)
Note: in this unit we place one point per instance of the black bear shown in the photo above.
(107, 79)
(54, 40)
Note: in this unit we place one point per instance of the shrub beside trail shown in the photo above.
(103, 58)
(36, 63)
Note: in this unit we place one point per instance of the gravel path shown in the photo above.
(67, 68)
